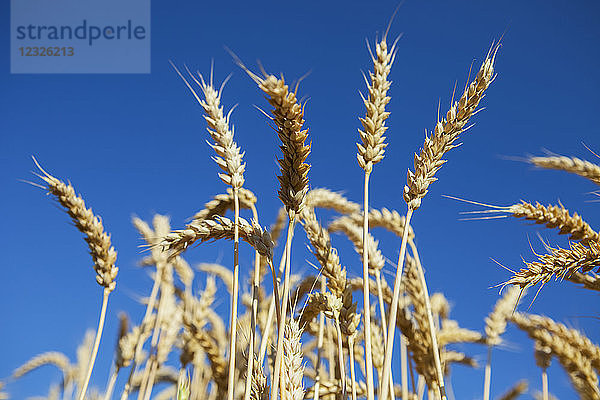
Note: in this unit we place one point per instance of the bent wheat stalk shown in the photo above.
(101, 250)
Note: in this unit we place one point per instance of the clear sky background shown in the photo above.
(135, 144)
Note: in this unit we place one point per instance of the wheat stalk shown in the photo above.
(446, 132)
(495, 325)
(183, 388)
(255, 299)
(169, 334)
(370, 152)
(426, 164)
(164, 375)
(335, 274)
(164, 284)
(124, 353)
(175, 318)
(101, 250)
(288, 116)
(420, 339)
(332, 269)
(320, 338)
(543, 358)
(351, 227)
(158, 258)
(165, 305)
(229, 158)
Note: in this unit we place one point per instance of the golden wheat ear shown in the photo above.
(566, 346)
(99, 243)
(447, 131)
(573, 165)
(101, 249)
(552, 216)
(426, 164)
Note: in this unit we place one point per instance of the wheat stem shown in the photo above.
(432, 330)
(488, 374)
(88, 374)
(111, 384)
(383, 321)
(234, 296)
(366, 293)
(286, 293)
(255, 286)
(320, 348)
(273, 307)
(544, 384)
(404, 366)
(140, 344)
(341, 357)
(387, 361)
(145, 383)
(420, 387)
(352, 373)
(151, 377)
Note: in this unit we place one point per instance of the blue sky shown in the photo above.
(135, 144)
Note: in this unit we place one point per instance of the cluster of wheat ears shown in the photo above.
(326, 336)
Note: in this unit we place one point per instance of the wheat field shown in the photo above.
(297, 287)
